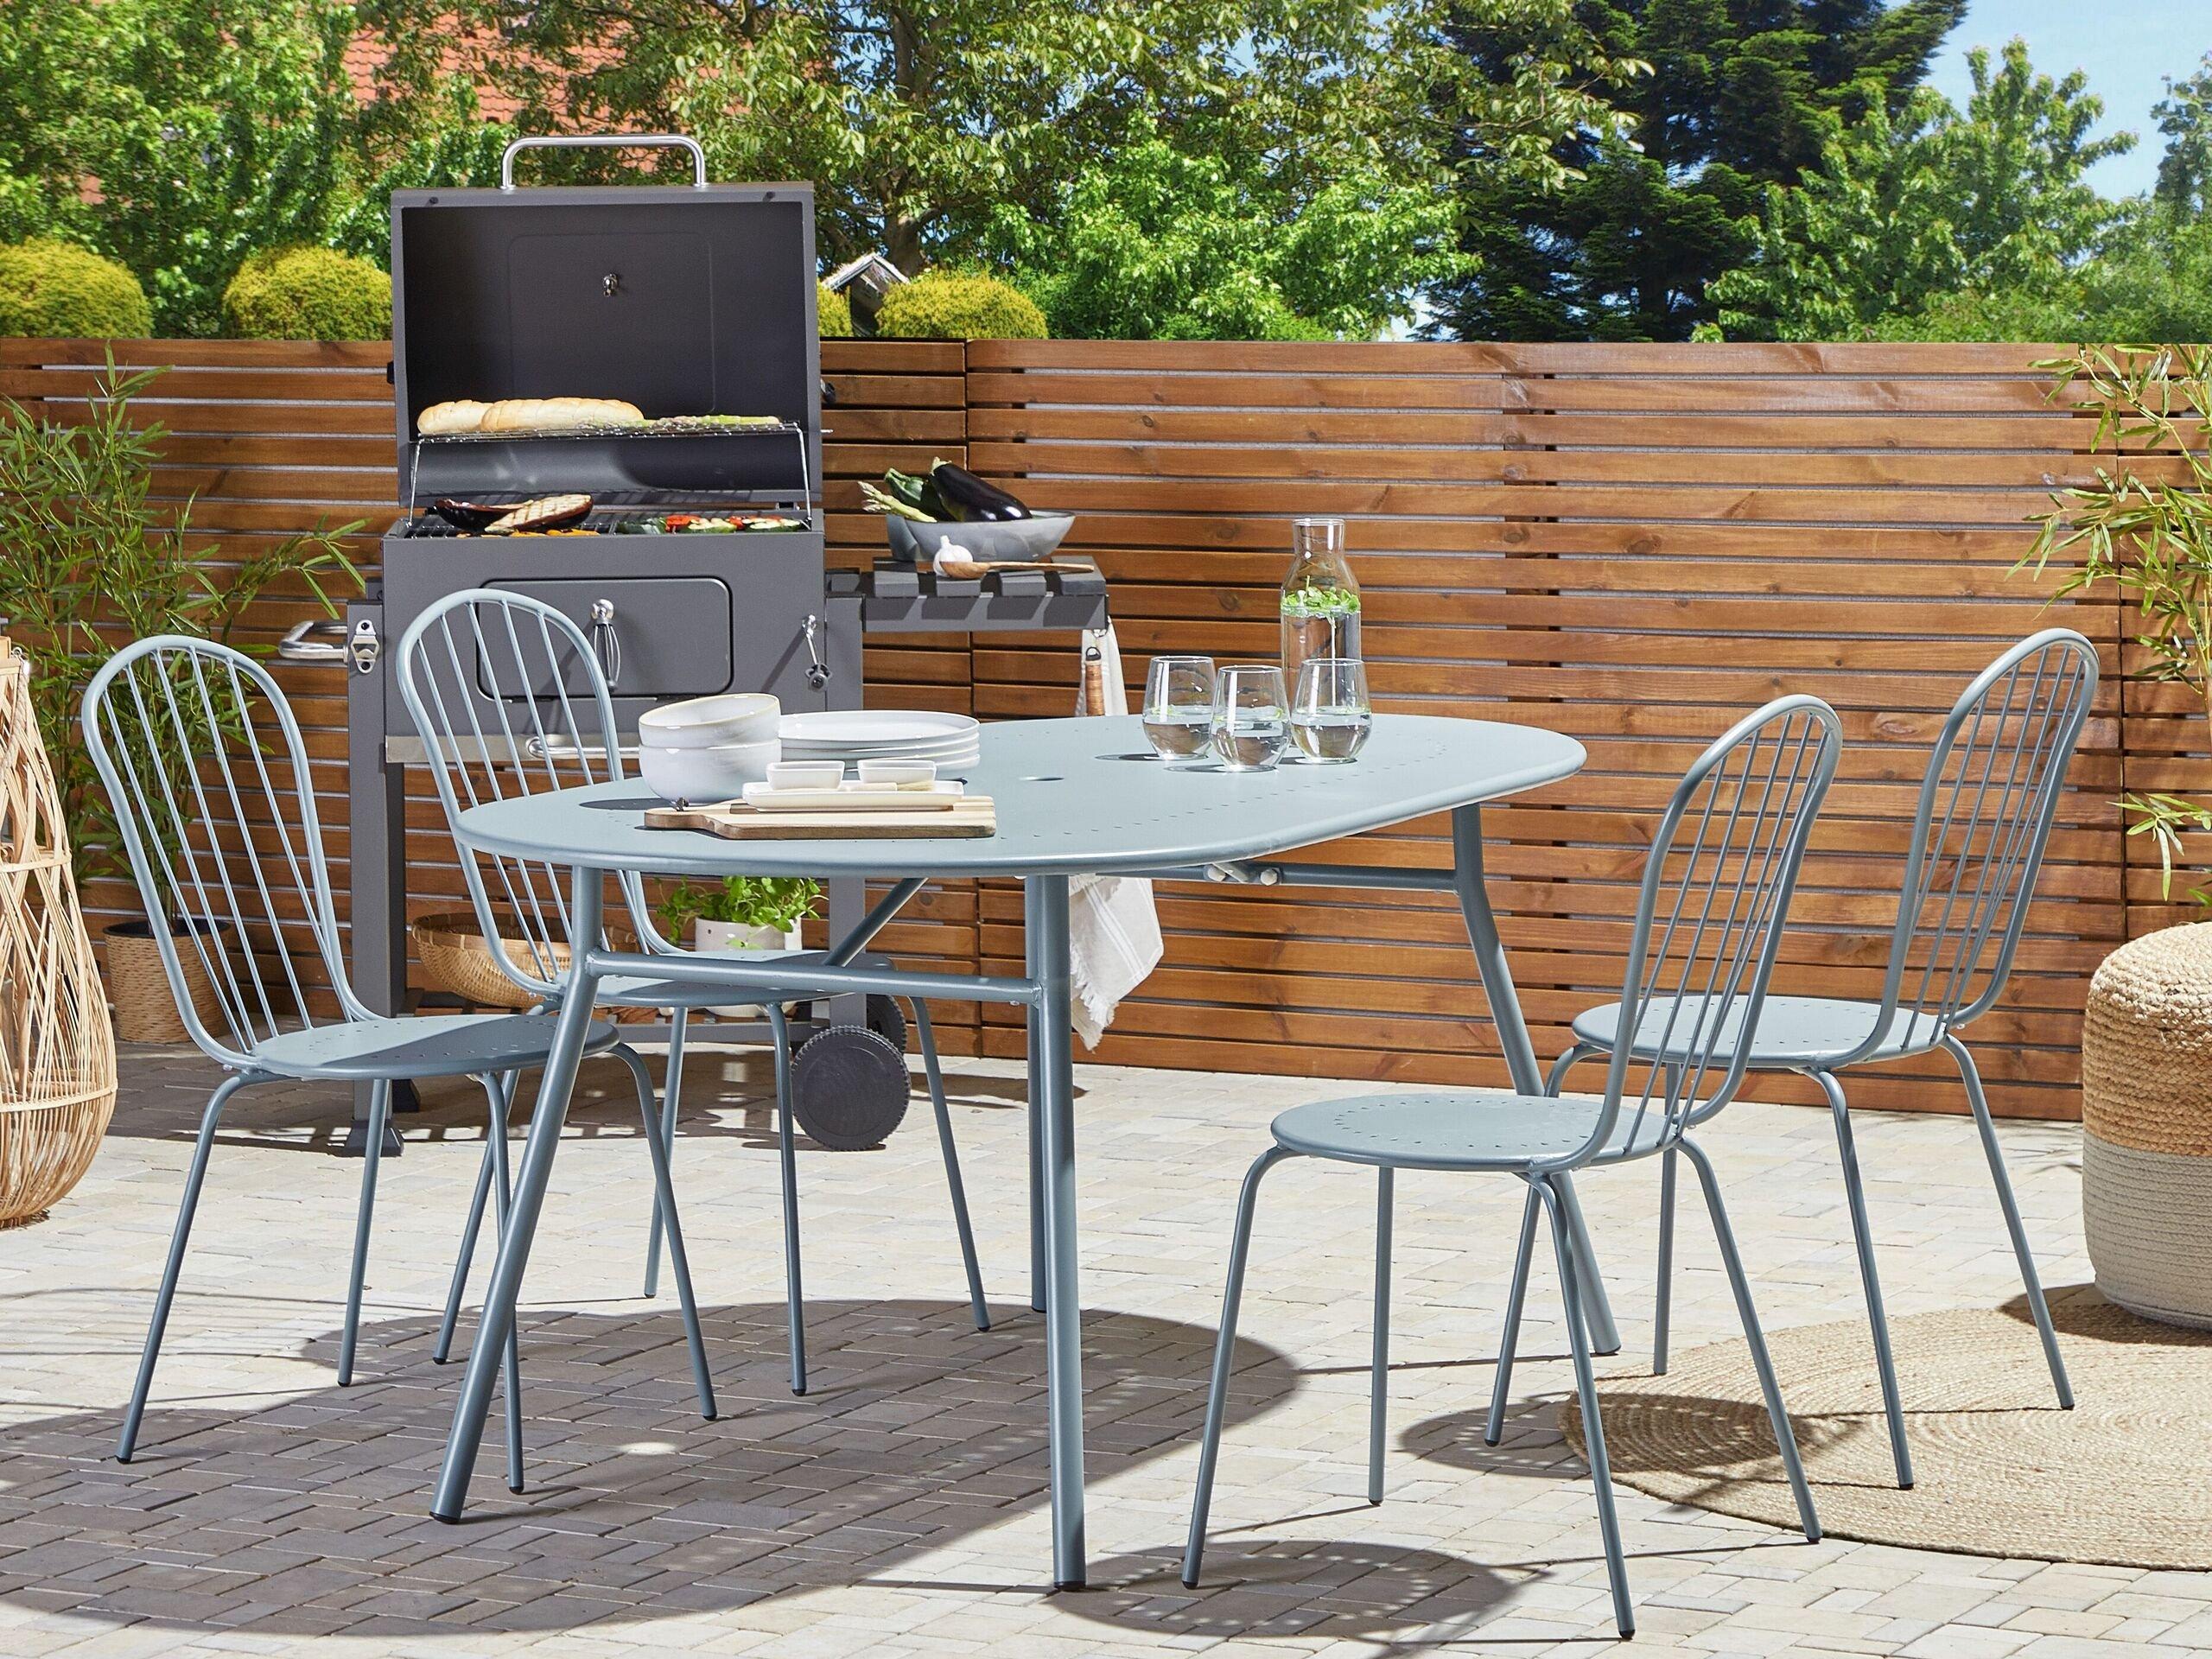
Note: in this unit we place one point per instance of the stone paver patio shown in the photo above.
(899, 1509)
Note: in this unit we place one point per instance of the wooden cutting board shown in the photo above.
(973, 815)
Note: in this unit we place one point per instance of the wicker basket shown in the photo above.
(145, 1009)
(456, 960)
(57, 1051)
(2146, 1122)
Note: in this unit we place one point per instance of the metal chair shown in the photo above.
(511, 700)
(203, 759)
(1708, 920)
(1978, 832)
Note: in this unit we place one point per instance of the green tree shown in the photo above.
(2184, 116)
(921, 121)
(1153, 243)
(1741, 94)
(1901, 213)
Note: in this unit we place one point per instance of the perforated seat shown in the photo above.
(431, 1046)
(1792, 1032)
(1461, 1128)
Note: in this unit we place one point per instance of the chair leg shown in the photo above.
(669, 1090)
(1785, 1437)
(1494, 1430)
(194, 1178)
(1566, 1063)
(935, 1076)
(787, 1159)
(496, 1152)
(466, 1258)
(1663, 1299)
(678, 1262)
(2029, 1281)
(379, 1115)
(1224, 1348)
(1862, 1232)
(1586, 1388)
(1379, 1384)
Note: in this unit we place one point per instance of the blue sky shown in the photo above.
(2124, 46)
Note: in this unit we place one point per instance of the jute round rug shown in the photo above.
(2121, 1480)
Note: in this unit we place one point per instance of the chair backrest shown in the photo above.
(1716, 889)
(511, 701)
(204, 762)
(1978, 833)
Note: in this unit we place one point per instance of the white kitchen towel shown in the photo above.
(1113, 926)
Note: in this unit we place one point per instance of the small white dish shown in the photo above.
(708, 722)
(855, 798)
(899, 774)
(702, 776)
(790, 775)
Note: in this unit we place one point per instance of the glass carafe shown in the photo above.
(1320, 597)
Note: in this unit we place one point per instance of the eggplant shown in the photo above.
(472, 516)
(547, 512)
(971, 499)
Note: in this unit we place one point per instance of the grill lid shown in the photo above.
(684, 299)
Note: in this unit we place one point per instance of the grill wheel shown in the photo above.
(850, 1085)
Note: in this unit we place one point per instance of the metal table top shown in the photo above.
(1077, 795)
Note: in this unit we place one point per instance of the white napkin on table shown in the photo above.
(1113, 926)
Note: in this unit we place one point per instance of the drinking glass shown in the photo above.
(1179, 708)
(1329, 714)
(1251, 726)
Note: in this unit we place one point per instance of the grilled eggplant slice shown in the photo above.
(547, 512)
(473, 516)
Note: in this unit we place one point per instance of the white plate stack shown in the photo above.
(954, 742)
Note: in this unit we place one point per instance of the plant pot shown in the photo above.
(736, 939)
(145, 1006)
(2146, 1125)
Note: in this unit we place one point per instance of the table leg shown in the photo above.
(569, 1033)
(1521, 1053)
(1052, 1068)
(1035, 1098)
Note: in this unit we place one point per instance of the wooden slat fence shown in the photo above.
(1629, 543)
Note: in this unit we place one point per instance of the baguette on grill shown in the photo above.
(442, 419)
(558, 414)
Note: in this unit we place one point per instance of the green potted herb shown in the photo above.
(90, 560)
(745, 915)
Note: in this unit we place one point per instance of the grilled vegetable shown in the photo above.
(970, 498)
(547, 512)
(466, 515)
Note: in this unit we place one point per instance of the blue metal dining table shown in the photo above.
(1074, 796)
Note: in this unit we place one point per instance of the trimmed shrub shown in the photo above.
(308, 293)
(952, 305)
(833, 314)
(49, 288)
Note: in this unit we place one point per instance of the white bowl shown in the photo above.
(706, 723)
(703, 776)
(897, 774)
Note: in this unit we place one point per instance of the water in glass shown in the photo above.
(1179, 708)
(1330, 716)
(1251, 726)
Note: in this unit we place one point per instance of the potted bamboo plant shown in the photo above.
(93, 561)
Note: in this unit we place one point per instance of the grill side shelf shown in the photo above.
(897, 598)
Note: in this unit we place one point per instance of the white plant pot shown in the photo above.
(737, 939)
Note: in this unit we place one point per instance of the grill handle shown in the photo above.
(606, 644)
(606, 141)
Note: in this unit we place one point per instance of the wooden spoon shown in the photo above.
(970, 570)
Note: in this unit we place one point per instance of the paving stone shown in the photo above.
(900, 1508)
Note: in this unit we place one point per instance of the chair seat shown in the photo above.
(429, 1045)
(1461, 1128)
(1793, 1031)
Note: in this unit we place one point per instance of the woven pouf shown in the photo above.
(2146, 1120)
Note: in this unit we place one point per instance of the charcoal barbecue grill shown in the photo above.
(691, 303)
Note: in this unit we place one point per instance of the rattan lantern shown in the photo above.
(57, 1053)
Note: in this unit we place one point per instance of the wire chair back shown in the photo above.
(203, 760)
(511, 701)
(1716, 889)
(1978, 833)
